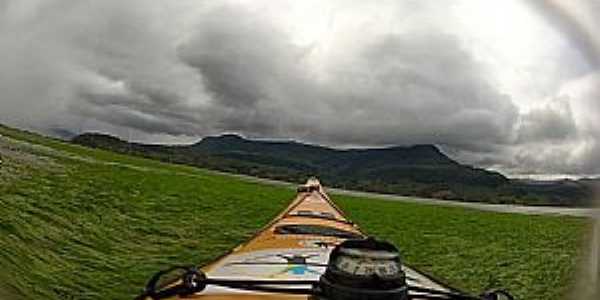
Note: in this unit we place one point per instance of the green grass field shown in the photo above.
(77, 223)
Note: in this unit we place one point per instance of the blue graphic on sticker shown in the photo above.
(299, 270)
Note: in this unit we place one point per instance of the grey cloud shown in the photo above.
(72, 57)
(553, 122)
(585, 94)
(117, 66)
(253, 71)
(430, 80)
(237, 58)
(560, 137)
(141, 108)
(421, 88)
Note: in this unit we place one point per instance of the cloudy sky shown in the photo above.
(513, 86)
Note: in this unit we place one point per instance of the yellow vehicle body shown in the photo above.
(284, 256)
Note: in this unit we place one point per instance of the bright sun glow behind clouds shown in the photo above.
(523, 51)
(511, 39)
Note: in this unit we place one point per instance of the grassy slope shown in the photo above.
(533, 256)
(88, 224)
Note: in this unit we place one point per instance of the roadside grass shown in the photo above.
(54, 147)
(91, 230)
(80, 223)
(534, 257)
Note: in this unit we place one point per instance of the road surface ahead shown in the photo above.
(503, 208)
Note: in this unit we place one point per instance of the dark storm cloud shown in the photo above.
(430, 81)
(54, 50)
(253, 72)
(237, 58)
(142, 108)
(420, 88)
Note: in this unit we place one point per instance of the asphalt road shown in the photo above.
(503, 208)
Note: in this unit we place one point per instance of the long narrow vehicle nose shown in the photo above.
(296, 247)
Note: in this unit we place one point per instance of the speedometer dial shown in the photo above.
(364, 269)
(368, 263)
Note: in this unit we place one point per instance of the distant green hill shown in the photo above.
(420, 170)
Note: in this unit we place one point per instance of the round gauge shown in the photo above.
(365, 262)
(364, 269)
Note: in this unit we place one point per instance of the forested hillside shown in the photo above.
(420, 170)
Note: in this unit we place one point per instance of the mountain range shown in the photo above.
(419, 170)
